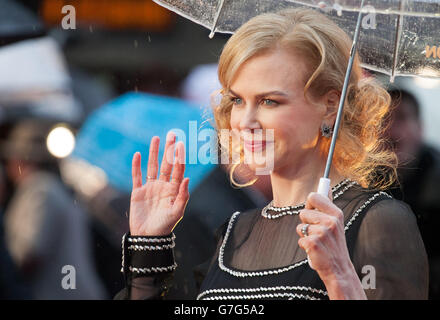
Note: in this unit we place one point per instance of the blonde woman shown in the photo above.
(282, 73)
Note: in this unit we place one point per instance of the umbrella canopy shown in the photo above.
(113, 133)
(34, 81)
(398, 37)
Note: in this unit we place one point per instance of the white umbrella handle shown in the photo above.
(324, 186)
(324, 182)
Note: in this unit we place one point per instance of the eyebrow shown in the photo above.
(264, 94)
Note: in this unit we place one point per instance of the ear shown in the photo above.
(331, 101)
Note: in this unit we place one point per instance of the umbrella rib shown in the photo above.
(388, 11)
(217, 15)
(396, 42)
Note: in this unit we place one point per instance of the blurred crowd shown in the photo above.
(55, 212)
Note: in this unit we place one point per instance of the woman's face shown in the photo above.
(267, 93)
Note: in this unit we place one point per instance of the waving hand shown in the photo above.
(157, 205)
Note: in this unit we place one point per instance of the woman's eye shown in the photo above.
(269, 102)
(236, 100)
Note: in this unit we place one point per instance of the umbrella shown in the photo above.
(399, 37)
(114, 132)
(34, 81)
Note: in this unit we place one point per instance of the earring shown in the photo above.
(326, 130)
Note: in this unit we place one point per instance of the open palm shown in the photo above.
(158, 205)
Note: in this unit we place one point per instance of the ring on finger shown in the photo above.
(305, 230)
(150, 178)
(164, 174)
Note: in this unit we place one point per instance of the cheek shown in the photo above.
(296, 131)
(296, 124)
(234, 121)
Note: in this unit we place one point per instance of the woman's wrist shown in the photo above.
(148, 255)
(343, 284)
(135, 232)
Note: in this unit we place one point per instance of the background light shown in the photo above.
(60, 142)
(428, 83)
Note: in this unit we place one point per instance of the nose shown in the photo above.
(249, 119)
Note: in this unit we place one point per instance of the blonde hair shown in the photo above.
(360, 151)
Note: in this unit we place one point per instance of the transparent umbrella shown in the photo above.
(398, 37)
(394, 37)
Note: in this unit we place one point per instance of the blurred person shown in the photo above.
(419, 174)
(11, 284)
(200, 84)
(45, 228)
(108, 211)
(283, 72)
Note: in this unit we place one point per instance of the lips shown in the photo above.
(254, 145)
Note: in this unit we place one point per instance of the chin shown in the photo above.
(260, 165)
(260, 170)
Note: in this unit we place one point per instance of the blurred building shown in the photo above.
(131, 45)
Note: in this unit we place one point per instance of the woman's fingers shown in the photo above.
(136, 171)
(311, 229)
(153, 163)
(317, 220)
(310, 243)
(171, 164)
(168, 157)
(323, 204)
(311, 216)
(182, 197)
(179, 163)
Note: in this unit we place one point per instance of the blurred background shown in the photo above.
(75, 104)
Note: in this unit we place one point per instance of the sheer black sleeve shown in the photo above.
(148, 265)
(389, 255)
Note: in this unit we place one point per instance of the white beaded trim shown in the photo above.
(250, 273)
(153, 269)
(264, 289)
(362, 207)
(295, 212)
(145, 248)
(123, 253)
(291, 296)
(152, 240)
(136, 247)
(243, 274)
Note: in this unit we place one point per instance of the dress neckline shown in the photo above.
(274, 271)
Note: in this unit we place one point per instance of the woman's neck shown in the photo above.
(291, 187)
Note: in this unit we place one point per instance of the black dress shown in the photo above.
(196, 232)
(259, 258)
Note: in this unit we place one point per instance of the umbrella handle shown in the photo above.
(324, 183)
(324, 186)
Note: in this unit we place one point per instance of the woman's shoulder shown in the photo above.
(360, 204)
(392, 211)
(380, 204)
